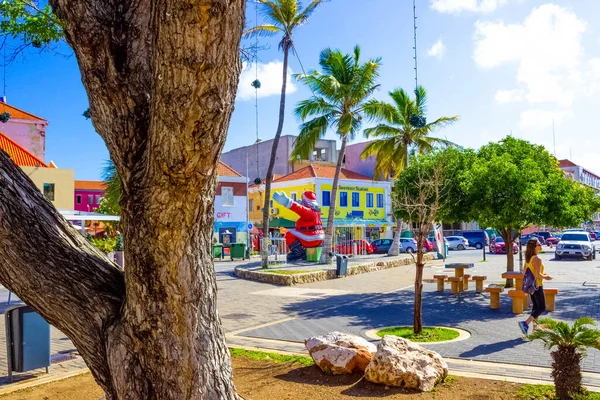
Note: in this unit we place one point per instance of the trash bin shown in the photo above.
(341, 264)
(313, 254)
(28, 340)
(217, 250)
(237, 250)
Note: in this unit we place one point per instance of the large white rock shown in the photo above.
(339, 353)
(399, 362)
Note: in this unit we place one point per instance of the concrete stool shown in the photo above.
(455, 281)
(518, 298)
(440, 282)
(479, 283)
(494, 292)
(466, 281)
(550, 294)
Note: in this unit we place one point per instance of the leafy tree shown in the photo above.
(401, 130)
(340, 94)
(283, 17)
(513, 184)
(110, 201)
(161, 79)
(571, 343)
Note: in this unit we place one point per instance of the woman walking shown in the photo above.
(536, 266)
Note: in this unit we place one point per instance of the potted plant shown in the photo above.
(119, 258)
(571, 343)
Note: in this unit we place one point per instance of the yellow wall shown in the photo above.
(374, 212)
(258, 201)
(63, 180)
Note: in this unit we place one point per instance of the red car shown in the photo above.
(552, 241)
(427, 245)
(362, 247)
(497, 246)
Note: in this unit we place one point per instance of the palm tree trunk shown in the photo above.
(566, 371)
(326, 256)
(269, 177)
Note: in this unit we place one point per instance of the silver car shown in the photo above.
(457, 242)
(408, 245)
(576, 244)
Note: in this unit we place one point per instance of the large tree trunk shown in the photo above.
(418, 311)
(395, 247)
(161, 78)
(507, 235)
(326, 254)
(269, 177)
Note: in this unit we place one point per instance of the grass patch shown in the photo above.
(546, 392)
(289, 271)
(503, 284)
(274, 357)
(446, 383)
(428, 334)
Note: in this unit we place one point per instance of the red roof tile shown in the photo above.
(566, 163)
(225, 170)
(17, 113)
(322, 171)
(90, 185)
(18, 154)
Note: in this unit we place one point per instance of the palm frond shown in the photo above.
(383, 130)
(310, 133)
(380, 110)
(314, 106)
(421, 100)
(305, 14)
(262, 31)
(441, 122)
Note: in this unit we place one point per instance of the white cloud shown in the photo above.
(457, 6)
(270, 77)
(509, 96)
(437, 50)
(548, 52)
(538, 120)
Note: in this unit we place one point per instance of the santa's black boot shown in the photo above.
(297, 252)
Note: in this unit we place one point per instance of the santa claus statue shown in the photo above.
(309, 228)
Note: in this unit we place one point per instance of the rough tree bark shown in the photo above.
(286, 43)
(161, 77)
(326, 254)
(418, 311)
(395, 247)
(507, 235)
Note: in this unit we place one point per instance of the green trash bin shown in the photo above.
(237, 250)
(217, 250)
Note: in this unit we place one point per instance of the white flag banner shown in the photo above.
(439, 239)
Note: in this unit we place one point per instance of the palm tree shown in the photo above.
(340, 94)
(283, 17)
(401, 132)
(571, 342)
(112, 196)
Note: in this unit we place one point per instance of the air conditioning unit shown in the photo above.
(274, 211)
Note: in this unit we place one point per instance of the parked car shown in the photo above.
(576, 244)
(457, 242)
(477, 238)
(545, 235)
(525, 238)
(431, 239)
(381, 246)
(593, 235)
(427, 245)
(362, 247)
(498, 246)
(552, 240)
(409, 245)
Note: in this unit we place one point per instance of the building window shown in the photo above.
(49, 191)
(78, 199)
(379, 201)
(90, 199)
(294, 196)
(370, 200)
(98, 198)
(326, 198)
(343, 199)
(226, 196)
(355, 199)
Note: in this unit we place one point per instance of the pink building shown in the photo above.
(88, 195)
(27, 130)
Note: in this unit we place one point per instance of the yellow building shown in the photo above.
(56, 184)
(361, 201)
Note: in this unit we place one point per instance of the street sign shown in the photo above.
(250, 227)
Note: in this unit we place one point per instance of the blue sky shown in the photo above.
(502, 65)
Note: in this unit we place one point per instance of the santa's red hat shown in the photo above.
(309, 199)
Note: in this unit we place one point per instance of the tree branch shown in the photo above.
(47, 262)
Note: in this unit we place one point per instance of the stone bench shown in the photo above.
(550, 294)
(466, 281)
(479, 283)
(455, 281)
(494, 292)
(518, 300)
(440, 282)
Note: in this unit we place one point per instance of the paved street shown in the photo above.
(268, 316)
